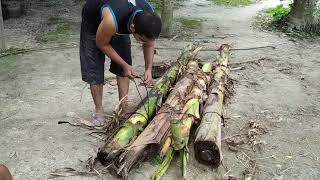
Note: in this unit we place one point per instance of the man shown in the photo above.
(105, 29)
(4, 173)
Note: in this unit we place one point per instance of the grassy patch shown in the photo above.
(11, 51)
(59, 34)
(189, 23)
(278, 13)
(233, 2)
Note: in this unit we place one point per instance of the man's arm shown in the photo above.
(104, 34)
(148, 52)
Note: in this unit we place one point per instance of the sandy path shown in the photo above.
(39, 89)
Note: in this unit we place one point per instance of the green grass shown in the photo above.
(11, 51)
(189, 23)
(278, 13)
(59, 34)
(233, 2)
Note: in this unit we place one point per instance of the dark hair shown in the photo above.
(147, 24)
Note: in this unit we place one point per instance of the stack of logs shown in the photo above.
(163, 129)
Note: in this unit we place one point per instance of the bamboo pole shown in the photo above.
(208, 135)
(136, 122)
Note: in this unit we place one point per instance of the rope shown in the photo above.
(147, 110)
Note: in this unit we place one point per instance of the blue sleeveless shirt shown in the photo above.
(123, 11)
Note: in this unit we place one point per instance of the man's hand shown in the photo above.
(128, 71)
(147, 77)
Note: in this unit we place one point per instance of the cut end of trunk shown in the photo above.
(104, 158)
(208, 153)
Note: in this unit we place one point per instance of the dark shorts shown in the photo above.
(92, 59)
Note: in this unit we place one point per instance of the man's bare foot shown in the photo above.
(4, 173)
(98, 119)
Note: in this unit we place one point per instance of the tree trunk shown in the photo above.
(2, 40)
(182, 123)
(208, 136)
(136, 122)
(305, 16)
(167, 17)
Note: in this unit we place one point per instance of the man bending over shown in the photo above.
(105, 29)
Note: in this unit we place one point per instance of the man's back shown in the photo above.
(122, 11)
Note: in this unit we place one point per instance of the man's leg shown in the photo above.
(123, 90)
(122, 45)
(96, 92)
(4, 173)
(92, 69)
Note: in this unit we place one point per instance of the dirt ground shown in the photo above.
(271, 123)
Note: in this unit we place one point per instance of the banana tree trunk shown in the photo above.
(181, 125)
(150, 140)
(208, 135)
(136, 122)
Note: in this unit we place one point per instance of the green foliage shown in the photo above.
(233, 2)
(279, 12)
(189, 23)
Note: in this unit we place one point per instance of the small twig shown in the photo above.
(97, 172)
(237, 68)
(272, 156)
(286, 170)
(247, 62)
(226, 173)
(240, 49)
(251, 48)
(119, 103)
(173, 38)
(22, 51)
(214, 49)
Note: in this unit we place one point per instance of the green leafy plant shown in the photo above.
(279, 12)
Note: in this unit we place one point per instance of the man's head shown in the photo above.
(146, 26)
